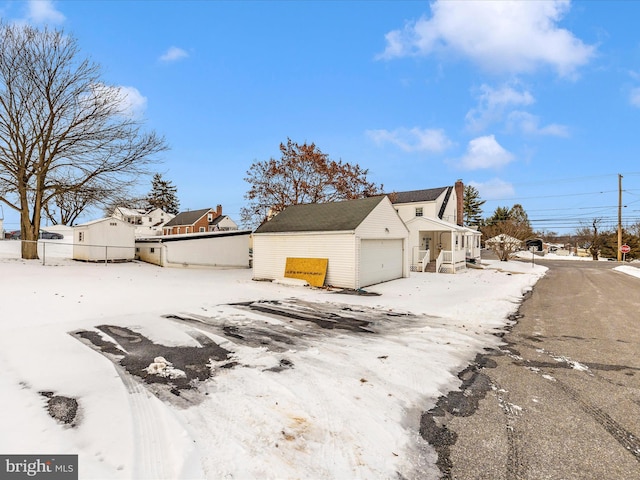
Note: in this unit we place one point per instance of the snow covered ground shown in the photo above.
(290, 399)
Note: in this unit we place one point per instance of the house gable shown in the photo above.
(444, 203)
(193, 221)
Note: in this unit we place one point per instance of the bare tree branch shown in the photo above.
(63, 132)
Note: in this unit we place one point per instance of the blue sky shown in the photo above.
(532, 102)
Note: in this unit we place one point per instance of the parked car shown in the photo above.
(50, 235)
(15, 235)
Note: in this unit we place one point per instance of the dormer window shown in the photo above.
(418, 211)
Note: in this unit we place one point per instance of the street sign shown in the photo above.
(625, 248)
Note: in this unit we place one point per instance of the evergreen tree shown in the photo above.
(472, 206)
(501, 214)
(163, 195)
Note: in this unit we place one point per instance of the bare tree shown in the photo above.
(506, 237)
(61, 128)
(303, 174)
(591, 238)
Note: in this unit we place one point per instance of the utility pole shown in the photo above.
(619, 216)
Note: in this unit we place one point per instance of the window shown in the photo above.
(210, 217)
(418, 211)
(152, 250)
(202, 229)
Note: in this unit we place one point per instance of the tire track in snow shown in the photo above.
(150, 449)
(627, 439)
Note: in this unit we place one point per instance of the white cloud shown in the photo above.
(494, 189)
(492, 104)
(133, 103)
(485, 152)
(530, 125)
(500, 36)
(634, 97)
(413, 140)
(173, 54)
(43, 11)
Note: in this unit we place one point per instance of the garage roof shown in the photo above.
(328, 217)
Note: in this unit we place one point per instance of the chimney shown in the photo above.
(459, 187)
(218, 210)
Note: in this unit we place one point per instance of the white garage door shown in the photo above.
(380, 260)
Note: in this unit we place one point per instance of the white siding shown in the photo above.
(213, 250)
(216, 251)
(382, 222)
(450, 212)
(108, 239)
(407, 211)
(270, 252)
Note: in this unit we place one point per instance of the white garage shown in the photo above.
(364, 241)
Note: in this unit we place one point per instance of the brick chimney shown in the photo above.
(459, 187)
(218, 210)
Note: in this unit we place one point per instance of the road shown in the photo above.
(561, 399)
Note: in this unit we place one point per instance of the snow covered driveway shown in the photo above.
(269, 383)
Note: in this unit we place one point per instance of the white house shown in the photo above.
(104, 240)
(364, 241)
(437, 240)
(510, 242)
(147, 222)
(209, 249)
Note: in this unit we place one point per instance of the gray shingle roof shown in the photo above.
(428, 195)
(187, 218)
(321, 217)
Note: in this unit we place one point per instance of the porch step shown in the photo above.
(431, 267)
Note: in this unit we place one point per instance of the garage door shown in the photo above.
(380, 260)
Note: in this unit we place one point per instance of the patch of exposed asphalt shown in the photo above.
(324, 318)
(136, 353)
(460, 403)
(63, 409)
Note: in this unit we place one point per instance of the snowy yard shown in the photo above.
(206, 374)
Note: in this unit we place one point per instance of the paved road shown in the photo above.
(562, 399)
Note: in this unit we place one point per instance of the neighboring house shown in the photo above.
(504, 243)
(224, 223)
(364, 241)
(437, 240)
(506, 239)
(195, 221)
(105, 240)
(147, 222)
(228, 249)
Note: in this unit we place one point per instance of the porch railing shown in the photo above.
(452, 260)
(419, 259)
(440, 261)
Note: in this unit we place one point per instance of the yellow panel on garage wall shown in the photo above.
(312, 270)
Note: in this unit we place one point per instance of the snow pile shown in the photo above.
(163, 368)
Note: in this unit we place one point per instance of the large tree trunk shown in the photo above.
(29, 240)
